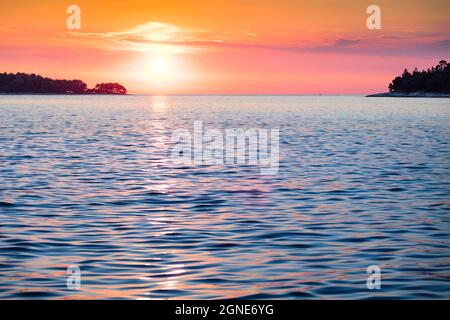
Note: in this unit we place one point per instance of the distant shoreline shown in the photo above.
(418, 94)
(61, 94)
(24, 83)
(376, 95)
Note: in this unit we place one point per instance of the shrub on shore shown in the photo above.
(23, 83)
(435, 79)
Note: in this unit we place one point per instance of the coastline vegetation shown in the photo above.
(23, 83)
(433, 80)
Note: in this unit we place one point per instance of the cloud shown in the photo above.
(8, 29)
(443, 43)
(150, 31)
(145, 35)
(346, 42)
(165, 37)
(249, 33)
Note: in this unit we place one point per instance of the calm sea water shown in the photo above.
(88, 181)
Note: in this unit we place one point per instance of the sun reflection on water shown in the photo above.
(159, 103)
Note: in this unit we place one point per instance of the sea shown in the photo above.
(92, 205)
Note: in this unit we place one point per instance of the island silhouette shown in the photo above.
(433, 82)
(24, 83)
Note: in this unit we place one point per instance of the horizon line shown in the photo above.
(190, 94)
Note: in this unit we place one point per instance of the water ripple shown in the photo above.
(88, 181)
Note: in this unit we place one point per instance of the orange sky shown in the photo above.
(253, 46)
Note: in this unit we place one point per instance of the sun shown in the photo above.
(159, 66)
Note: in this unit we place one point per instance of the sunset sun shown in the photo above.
(159, 66)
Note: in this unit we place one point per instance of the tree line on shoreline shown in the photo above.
(434, 80)
(22, 83)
